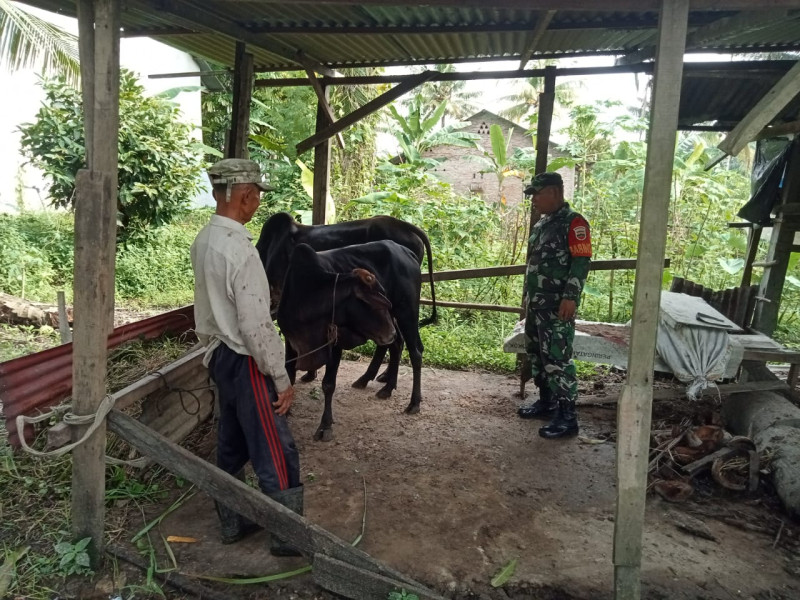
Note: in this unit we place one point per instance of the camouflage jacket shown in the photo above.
(560, 250)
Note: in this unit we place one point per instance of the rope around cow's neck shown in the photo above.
(333, 332)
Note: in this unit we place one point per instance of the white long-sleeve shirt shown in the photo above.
(231, 298)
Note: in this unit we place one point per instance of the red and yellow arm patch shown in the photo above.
(580, 238)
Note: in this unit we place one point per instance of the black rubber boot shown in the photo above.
(293, 500)
(233, 526)
(565, 423)
(543, 408)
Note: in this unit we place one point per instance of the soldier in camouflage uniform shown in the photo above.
(560, 250)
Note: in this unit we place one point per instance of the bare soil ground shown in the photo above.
(457, 491)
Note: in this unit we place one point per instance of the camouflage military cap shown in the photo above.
(231, 171)
(543, 180)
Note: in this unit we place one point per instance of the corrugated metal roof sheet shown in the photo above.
(436, 32)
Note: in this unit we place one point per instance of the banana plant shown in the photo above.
(499, 160)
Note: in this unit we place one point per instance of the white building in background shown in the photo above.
(23, 185)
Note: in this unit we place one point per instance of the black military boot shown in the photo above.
(293, 500)
(233, 526)
(543, 408)
(565, 423)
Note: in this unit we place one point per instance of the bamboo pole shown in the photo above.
(633, 411)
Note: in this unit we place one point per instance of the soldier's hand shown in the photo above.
(566, 310)
(285, 399)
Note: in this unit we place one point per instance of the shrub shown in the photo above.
(159, 164)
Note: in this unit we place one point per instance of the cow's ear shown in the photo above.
(372, 297)
(366, 277)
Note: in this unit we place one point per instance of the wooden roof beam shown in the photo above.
(543, 19)
(762, 113)
(323, 103)
(369, 108)
(196, 18)
(744, 22)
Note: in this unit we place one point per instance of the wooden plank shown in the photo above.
(323, 104)
(635, 406)
(275, 518)
(86, 55)
(63, 320)
(239, 133)
(722, 389)
(369, 108)
(763, 112)
(771, 131)
(359, 584)
(705, 462)
(95, 240)
(753, 239)
(543, 19)
(616, 264)
(780, 356)
(495, 307)
(322, 167)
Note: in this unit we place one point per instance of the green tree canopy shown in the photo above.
(159, 163)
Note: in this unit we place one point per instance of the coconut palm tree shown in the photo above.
(27, 41)
(459, 102)
(526, 100)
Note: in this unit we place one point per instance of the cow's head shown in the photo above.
(313, 299)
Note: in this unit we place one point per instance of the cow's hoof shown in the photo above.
(361, 383)
(412, 409)
(382, 377)
(310, 376)
(323, 435)
(384, 392)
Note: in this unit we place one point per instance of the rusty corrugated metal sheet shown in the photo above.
(34, 382)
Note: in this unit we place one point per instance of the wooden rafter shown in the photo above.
(369, 108)
(323, 103)
(190, 15)
(762, 113)
(747, 21)
(543, 20)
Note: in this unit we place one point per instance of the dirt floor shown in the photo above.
(457, 491)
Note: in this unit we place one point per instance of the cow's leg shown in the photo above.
(291, 362)
(410, 330)
(324, 432)
(309, 376)
(374, 365)
(395, 352)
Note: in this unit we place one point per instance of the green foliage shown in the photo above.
(74, 558)
(159, 164)
(402, 595)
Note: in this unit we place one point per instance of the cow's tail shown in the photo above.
(434, 317)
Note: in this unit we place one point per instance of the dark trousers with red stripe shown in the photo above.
(248, 426)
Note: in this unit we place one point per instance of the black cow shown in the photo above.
(280, 234)
(306, 310)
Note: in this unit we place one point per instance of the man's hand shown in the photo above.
(285, 399)
(566, 310)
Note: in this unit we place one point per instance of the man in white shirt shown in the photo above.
(245, 355)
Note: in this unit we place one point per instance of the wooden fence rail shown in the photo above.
(618, 264)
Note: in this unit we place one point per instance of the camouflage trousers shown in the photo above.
(549, 348)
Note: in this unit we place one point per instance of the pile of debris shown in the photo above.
(678, 455)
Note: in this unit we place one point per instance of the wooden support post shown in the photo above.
(634, 410)
(322, 164)
(63, 320)
(765, 318)
(547, 101)
(242, 94)
(95, 239)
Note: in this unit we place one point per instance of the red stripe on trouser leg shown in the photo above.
(280, 462)
(272, 442)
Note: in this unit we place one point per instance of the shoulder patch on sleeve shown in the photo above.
(580, 237)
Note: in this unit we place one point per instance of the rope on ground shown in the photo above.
(70, 418)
